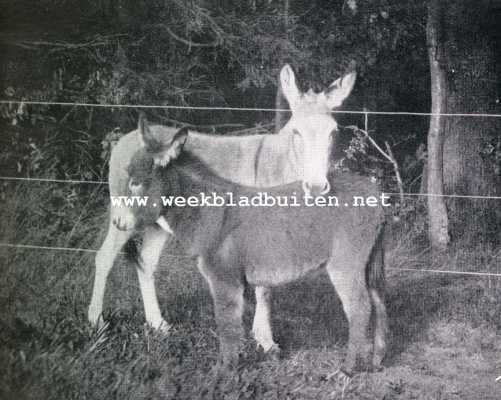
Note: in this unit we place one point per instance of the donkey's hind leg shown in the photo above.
(153, 242)
(105, 257)
(261, 326)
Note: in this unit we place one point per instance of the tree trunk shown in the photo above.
(473, 77)
(437, 212)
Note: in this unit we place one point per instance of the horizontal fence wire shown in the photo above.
(444, 271)
(70, 249)
(77, 249)
(207, 108)
(212, 108)
(77, 181)
(50, 180)
(453, 196)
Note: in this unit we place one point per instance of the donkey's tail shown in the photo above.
(375, 267)
(376, 284)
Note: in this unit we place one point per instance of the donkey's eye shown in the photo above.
(135, 182)
(135, 186)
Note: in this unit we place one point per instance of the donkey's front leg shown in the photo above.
(228, 307)
(261, 327)
(153, 242)
(105, 257)
(228, 296)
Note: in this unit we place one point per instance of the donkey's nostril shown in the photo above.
(326, 189)
(306, 187)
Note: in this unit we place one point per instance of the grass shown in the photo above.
(445, 329)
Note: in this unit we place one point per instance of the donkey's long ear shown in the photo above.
(339, 90)
(173, 149)
(178, 142)
(145, 133)
(289, 86)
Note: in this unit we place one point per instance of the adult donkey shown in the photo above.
(272, 245)
(299, 152)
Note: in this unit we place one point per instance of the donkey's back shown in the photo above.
(278, 244)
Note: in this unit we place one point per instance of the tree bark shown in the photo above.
(437, 211)
(473, 77)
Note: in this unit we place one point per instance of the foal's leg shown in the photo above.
(261, 327)
(228, 296)
(153, 242)
(106, 255)
(228, 307)
(349, 280)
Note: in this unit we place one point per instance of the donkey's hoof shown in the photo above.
(273, 353)
(351, 370)
(222, 380)
(358, 361)
(161, 326)
(95, 318)
(377, 361)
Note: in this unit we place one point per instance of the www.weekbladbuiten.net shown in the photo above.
(260, 199)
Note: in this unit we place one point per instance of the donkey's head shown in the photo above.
(312, 126)
(161, 146)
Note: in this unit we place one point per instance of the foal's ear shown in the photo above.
(144, 129)
(339, 90)
(173, 149)
(178, 141)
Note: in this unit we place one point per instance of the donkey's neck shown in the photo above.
(257, 160)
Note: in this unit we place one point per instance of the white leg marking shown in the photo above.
(113, 243)
(202, 269)
(153, 242)
(162, 222)
(261, 327)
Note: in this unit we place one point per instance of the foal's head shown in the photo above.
(146, 178)
(312, 126)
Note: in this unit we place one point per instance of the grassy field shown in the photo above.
(446, 336)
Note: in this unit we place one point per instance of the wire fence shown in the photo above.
(78, 181)
(94, 251)
(365, 113)
(211, 108)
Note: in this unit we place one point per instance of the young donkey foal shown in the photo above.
(266, 246)
(299, 152)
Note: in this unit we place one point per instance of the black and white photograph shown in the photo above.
(250, 199)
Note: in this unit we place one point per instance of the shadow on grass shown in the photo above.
(413, 303)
